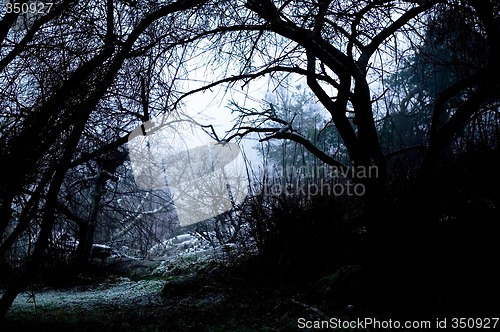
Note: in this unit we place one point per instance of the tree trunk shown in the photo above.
(86, 234)
(49, 211)
(41, 245)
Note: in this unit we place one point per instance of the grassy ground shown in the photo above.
(211, 300)
(410, 280)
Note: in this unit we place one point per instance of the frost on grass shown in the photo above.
(118, 292)
(180, 245)
(184, 253)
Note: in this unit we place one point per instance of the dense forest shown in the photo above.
(374, 193)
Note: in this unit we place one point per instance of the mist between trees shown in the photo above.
(398, 99)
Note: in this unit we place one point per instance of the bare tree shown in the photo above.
(47, 121)
(342, 48)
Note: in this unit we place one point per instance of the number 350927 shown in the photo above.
(28, 8)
